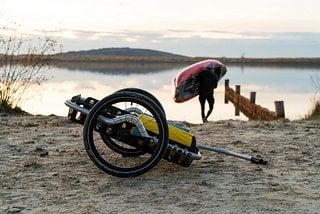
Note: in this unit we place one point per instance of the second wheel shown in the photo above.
(125, 120)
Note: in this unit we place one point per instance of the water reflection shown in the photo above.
(292, 85)
(119, 68)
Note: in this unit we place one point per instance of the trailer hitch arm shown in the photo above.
(255, 160)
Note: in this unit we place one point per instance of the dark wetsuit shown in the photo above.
(208, 81)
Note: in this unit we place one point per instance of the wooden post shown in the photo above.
(279, 105)
(253, 97)
(249, 108)
(237, 109)
(226, 85)
(252, 102)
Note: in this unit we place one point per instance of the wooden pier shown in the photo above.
(248, 106)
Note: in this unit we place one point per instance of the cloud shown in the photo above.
(212, 34)
(194, 43)
(131, 36)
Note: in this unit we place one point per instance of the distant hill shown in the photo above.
(120, 52)
(138, 55)
(118, 55)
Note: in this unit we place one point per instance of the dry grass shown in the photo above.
(314, 114)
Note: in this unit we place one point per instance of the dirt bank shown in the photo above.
(44, 168)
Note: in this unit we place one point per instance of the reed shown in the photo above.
(314, 114)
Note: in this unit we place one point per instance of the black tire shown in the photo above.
(111, 161)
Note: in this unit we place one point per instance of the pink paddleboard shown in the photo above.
(186, 85)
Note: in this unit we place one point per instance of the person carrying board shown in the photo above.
(208, 81)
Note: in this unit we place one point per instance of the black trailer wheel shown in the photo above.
(113, 119)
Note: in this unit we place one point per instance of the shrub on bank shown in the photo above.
(314, 114)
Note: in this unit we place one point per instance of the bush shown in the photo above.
(315, 112)
(21, 66)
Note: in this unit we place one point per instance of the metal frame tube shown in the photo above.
(111, 121)
(231, 153)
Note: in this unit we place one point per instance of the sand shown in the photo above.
(44, 168)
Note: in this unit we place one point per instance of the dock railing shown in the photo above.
(248, 106)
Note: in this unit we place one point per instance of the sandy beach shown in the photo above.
(44, 168)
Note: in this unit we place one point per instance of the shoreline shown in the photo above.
(310, 62)
(61, 59)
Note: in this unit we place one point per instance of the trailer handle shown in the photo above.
(253, 159)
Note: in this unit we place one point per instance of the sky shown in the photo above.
(229, 28)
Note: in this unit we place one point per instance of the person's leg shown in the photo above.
(202, 101)
(211, 104)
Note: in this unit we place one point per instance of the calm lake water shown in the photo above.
(294, 86)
